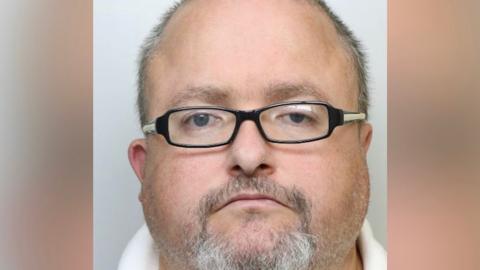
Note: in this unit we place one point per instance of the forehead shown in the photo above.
(248, 51)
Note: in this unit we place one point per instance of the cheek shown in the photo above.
(175, 182)
(185, 178)
(321, 176)
(335, 179)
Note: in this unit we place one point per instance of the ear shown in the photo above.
(365, 136)
(137, 152)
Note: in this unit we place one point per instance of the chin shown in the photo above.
(255, 236)
(258, 243)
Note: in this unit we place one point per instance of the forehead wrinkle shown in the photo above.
(278, 92)
(206, 94)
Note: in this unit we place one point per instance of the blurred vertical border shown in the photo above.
(433, 134)
(46, 134)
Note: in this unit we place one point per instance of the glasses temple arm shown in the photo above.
(352, 116)
(149, 128)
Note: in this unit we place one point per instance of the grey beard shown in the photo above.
(292, 251)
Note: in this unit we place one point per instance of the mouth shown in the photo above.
(252, 200)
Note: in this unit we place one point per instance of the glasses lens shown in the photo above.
(201, 127)
(295, 122)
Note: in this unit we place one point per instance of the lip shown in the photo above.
(250, 197)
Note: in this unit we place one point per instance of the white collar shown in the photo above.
(374, 257)
(140, 252)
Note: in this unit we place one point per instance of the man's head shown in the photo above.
(253, 203)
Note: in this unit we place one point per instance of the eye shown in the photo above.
(296, 117)
(201, 120)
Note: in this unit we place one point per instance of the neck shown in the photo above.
(353, 260)
(167, 263)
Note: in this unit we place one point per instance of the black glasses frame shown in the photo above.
(337, 117)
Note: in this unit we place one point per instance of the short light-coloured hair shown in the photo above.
(352, 46)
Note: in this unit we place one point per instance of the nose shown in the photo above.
(249, 153)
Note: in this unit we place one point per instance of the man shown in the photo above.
(255, 150)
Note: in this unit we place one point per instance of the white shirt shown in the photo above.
(140, 252)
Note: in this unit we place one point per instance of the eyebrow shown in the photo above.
(275, 92)
(283, 91)
(208, 94)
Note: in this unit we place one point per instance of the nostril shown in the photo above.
(262, 169)
(236, 171)
(236, 168)
(263, 166)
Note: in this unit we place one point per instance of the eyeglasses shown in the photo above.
(289, 123)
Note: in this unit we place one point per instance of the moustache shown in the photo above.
(261, 187)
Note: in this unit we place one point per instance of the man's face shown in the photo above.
(245, 55)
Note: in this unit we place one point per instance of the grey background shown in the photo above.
(119, 28)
